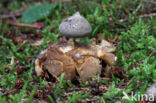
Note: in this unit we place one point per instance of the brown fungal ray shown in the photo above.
(56, 62)
(38, 63)
(109, 58)
(67, 63)
(90, 67)
(54, 67)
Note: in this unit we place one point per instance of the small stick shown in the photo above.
(154, 52)
(149, 1)
(23, 25)
(141, 16)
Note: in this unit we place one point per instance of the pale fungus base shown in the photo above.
(69, 59)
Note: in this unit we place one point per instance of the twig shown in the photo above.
(154, 52)
(12, 60)
(141, 16)
(102, 100)
(138, 7)
(149, 1)
(62, 0)
(9, 92)
(23, 25)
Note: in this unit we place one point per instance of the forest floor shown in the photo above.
(128, 24)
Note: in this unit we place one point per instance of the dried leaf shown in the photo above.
(19, 83)
(117, 72)
(20, 38)
(18, 70)
(37, 42)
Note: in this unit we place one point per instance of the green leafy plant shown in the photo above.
(18, 97)
(140, 44)
(112, 94)
(139, 47)
(37, 12)
(2, 99)
(76, 96)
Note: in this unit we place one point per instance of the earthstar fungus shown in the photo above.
(71, 58)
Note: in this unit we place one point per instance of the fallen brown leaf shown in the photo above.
(18, 70)
(12, 91)
(38, 25)
(20, 38)
(37, 42)
(19, 83)
(127, 55)
(117, 72)
(38, 94)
